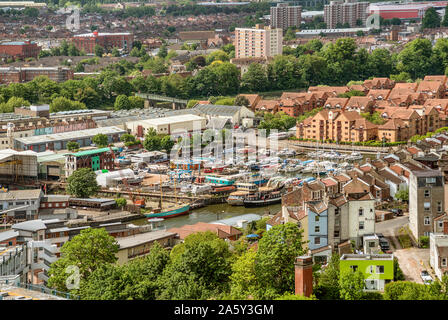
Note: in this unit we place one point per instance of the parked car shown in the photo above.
(397, 212)
(384, 244)
(427, 279)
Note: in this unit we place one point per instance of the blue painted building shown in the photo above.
(317, 224)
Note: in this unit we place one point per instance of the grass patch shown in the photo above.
(404, 238)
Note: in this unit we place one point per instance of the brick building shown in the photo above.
(88, 41)
(19, 49)
(18, 75)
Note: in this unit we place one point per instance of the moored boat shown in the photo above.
(170, 212)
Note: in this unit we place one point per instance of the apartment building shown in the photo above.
(284, 16)
(337, 125)
(258, 42)
(88, 41)
(349, 11)
(426, 200)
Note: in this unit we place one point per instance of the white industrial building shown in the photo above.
(112, 178)
(18, 165)
(167, 125)
(58, 141)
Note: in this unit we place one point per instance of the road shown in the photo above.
(411, 260)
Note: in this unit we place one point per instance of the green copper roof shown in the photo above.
(94, 151)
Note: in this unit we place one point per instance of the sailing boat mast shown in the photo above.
(161, 192)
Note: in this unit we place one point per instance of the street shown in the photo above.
(411, 260)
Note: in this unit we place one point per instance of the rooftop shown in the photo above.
(354, 257)
(72, 135)
(133, 241)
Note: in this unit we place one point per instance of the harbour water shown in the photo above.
(213, 213)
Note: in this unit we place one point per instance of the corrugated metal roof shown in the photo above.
(94, 151)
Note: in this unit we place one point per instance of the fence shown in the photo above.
(53, 292)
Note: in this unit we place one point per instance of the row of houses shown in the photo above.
(407, 109)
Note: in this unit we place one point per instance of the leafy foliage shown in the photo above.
(82, 183)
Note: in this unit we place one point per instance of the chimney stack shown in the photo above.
(304, 276)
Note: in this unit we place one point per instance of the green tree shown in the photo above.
(136, 102)
(218, 55)
(166, 143)
(163, 52)
(82, 183)
(255, 78)
(351, 285)
(99, 50)
(199, 268)
(116, 53)
(152, 141)
(121, 202)
(402, 195)
(72, 145)
(122, 102)
(64, 104)
(276, 254)
(243, 280)
(101, 140)
(417, 59)
(328, 287)
(445, 18)
(431, 19)
(87, 251)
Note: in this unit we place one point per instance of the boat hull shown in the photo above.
(235, 202)
(169, 213)
(261, 203)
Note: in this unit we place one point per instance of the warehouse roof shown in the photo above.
(20, 194)
(51, 157)
(72, 135)
(173, 119)
(133, 241)
(221, 110)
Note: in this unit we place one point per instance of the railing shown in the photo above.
(53, 292)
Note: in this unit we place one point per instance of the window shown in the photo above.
(427, 206)
(316, 229)
(316, 218)
(380, 269)
(361, 212)
(336, 234)
(427, 193)
(372, 244)
(443, 264)
(317, 240)
(430, 180)
(354, 268)
(439, 206)
(440, 224)
(427, 221)
(361, 225)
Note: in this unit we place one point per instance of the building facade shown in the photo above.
(25, 74)
(259, 42)
(19, 49)
(88, 41)
(284, 16)
(349, 11)
(426, 200)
